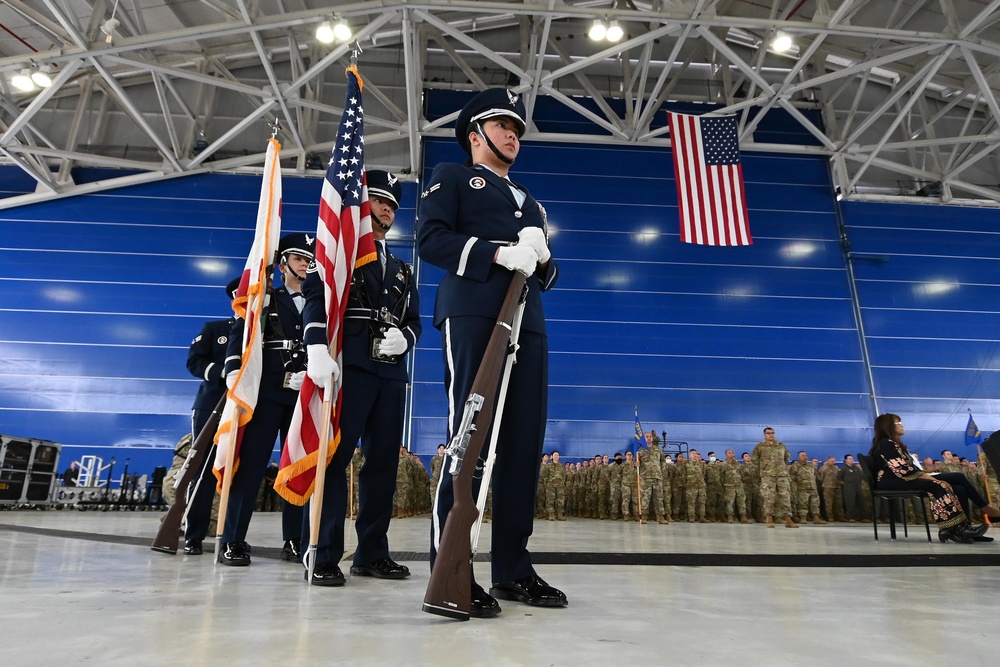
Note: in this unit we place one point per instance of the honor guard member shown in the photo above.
(480, 227)
(206, 361)
(283, 371)
(381, 325)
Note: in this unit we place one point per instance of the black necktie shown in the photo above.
(380, 249)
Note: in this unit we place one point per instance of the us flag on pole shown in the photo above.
(343, 241)
(710, 194)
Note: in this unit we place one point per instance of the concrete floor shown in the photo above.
(83, 587)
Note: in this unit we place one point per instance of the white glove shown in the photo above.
(231, 379)
(534, 238)
(295, 381)
(322, 369)
(393, 344)
(518, 258)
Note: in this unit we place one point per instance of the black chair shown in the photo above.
(868, 468)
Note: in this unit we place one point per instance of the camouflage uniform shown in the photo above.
(667, 475)
(357, 461)
(678, 494)
(695, 488)
(750, 474)
(555, 490)
(803, 478)
(436, 464)
(651, 480)
(771, 459)
(540, 491)
(615, 493)
(832, 495)
(630, 491)
(734, 500)
(713, 491)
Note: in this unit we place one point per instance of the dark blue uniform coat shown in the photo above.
(372, 408)
(465, 215)
(272, 416)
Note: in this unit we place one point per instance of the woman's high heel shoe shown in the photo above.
(955, 534)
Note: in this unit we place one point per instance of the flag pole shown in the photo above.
(316, 506)
(227, 481)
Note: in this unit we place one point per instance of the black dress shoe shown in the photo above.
(530, 590)
(326, 574)
(234, 553)
(982, 538)
(484, 605)
(383, 568)
(292, 550)
(193, 547)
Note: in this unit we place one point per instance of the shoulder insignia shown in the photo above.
(197, 338)
(477, 183)
(428, 191)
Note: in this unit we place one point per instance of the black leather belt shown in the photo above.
(367, 314)
(282, 344)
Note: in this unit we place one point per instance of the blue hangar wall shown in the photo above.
(103, 293)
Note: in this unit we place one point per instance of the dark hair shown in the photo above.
(767, 428)
(885, 429)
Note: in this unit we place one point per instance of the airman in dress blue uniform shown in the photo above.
(381, 325)
(282, 374)
(480, 227)
(206, 359)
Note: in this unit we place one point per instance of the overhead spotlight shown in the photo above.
(598, 31)
(108, 28)
(324, 33)
(615, 32)
(41, 77)
(782, 42)
(22, 81)
(342, 31)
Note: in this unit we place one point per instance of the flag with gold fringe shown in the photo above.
(344, 241)
(250, 305)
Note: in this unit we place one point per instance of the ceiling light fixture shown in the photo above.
(342, 31)
(598, 31)
(615, 32)
(782, 42)
(22, 81)
(41, 77)
(324, 33)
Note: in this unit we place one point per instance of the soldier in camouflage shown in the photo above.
(803, 478)
(630, 488)
(555, 488)
(771, 457)
(615, 492)
(651, 479)
(733, 492)
(695, 487)
(713, 488)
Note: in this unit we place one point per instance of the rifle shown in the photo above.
(166, 539)
(449, 590)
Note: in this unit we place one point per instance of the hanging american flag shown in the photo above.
(343, 241)
(250, 304)
(710, 194)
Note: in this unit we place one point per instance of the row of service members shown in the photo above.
(697, 490)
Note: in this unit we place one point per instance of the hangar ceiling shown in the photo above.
(906, 89)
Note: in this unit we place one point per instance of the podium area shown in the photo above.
(85, 586)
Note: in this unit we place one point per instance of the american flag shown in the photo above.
(343, 241)
(250, 305)
(710, 192)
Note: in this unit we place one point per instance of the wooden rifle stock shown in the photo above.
(449, 590)
(167, 537)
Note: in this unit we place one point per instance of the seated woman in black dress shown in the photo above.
(895, 470)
